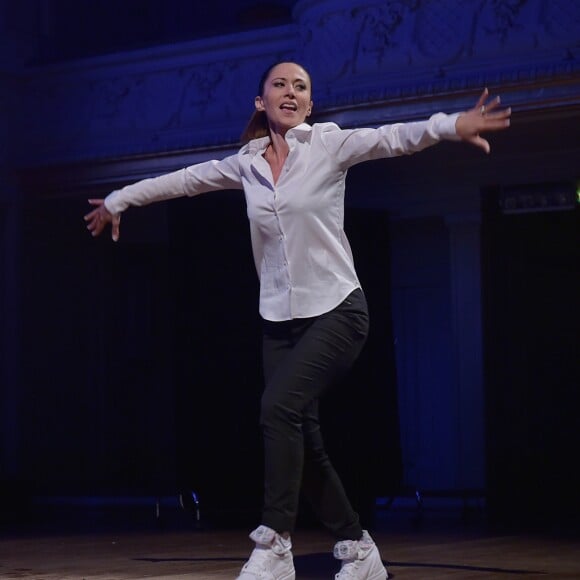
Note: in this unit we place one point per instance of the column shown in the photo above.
(467, 356)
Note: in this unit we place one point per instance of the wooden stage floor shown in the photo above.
(432, 551)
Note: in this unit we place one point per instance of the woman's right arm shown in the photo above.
(193, 180)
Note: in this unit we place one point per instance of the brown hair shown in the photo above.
(257, 127)
(258, 124)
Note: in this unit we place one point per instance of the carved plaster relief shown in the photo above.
(327, 48)
(409, 37)
(442, 33)
(507, 27)
(118, 104)
(383, 37)
(202, 95)
(560, 21)
(357, 38)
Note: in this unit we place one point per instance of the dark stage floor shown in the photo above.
(436, 548)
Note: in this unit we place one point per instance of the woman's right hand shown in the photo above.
(100, 217)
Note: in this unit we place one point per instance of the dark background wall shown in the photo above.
(141, 368)
(531, 285)
(82, 29)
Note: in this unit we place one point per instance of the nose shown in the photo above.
(290, 90)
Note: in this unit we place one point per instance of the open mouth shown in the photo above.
(289, 107)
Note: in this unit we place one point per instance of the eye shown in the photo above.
(278, 83)
(301, 87)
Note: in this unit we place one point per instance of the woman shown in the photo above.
(315, 318)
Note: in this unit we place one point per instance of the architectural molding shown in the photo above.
(372, 62)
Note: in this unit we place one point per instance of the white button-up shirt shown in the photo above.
(302, 256)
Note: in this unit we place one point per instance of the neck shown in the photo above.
(278, 144)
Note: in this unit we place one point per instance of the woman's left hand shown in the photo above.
(484, 117)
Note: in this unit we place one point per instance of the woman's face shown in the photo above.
(286, 98)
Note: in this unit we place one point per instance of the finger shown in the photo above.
(496, 122)
(91, 215)
(97, 220)
(500, 115)
(96, 229)
(496, 125)
(481, 143)
(116, 227)
(493, 104)
(482, 99)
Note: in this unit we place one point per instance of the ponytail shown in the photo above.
(257, 127)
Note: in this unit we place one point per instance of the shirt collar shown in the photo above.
(300, 133)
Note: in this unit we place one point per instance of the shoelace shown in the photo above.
(348, 570)
(258, 562)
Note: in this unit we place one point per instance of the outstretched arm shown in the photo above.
(193, 180)
(98, 219)
(351, 146)
(484, 117)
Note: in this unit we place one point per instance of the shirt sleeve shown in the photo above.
(352, 146)
(192, 180)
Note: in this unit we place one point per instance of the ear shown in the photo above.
(259, 103)
(309, 110)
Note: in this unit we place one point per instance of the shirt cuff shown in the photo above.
(112, 204)
(445, 126)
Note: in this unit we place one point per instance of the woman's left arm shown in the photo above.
(351, 146)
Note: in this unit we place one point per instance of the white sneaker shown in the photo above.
(360, 560)
(271, 559)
